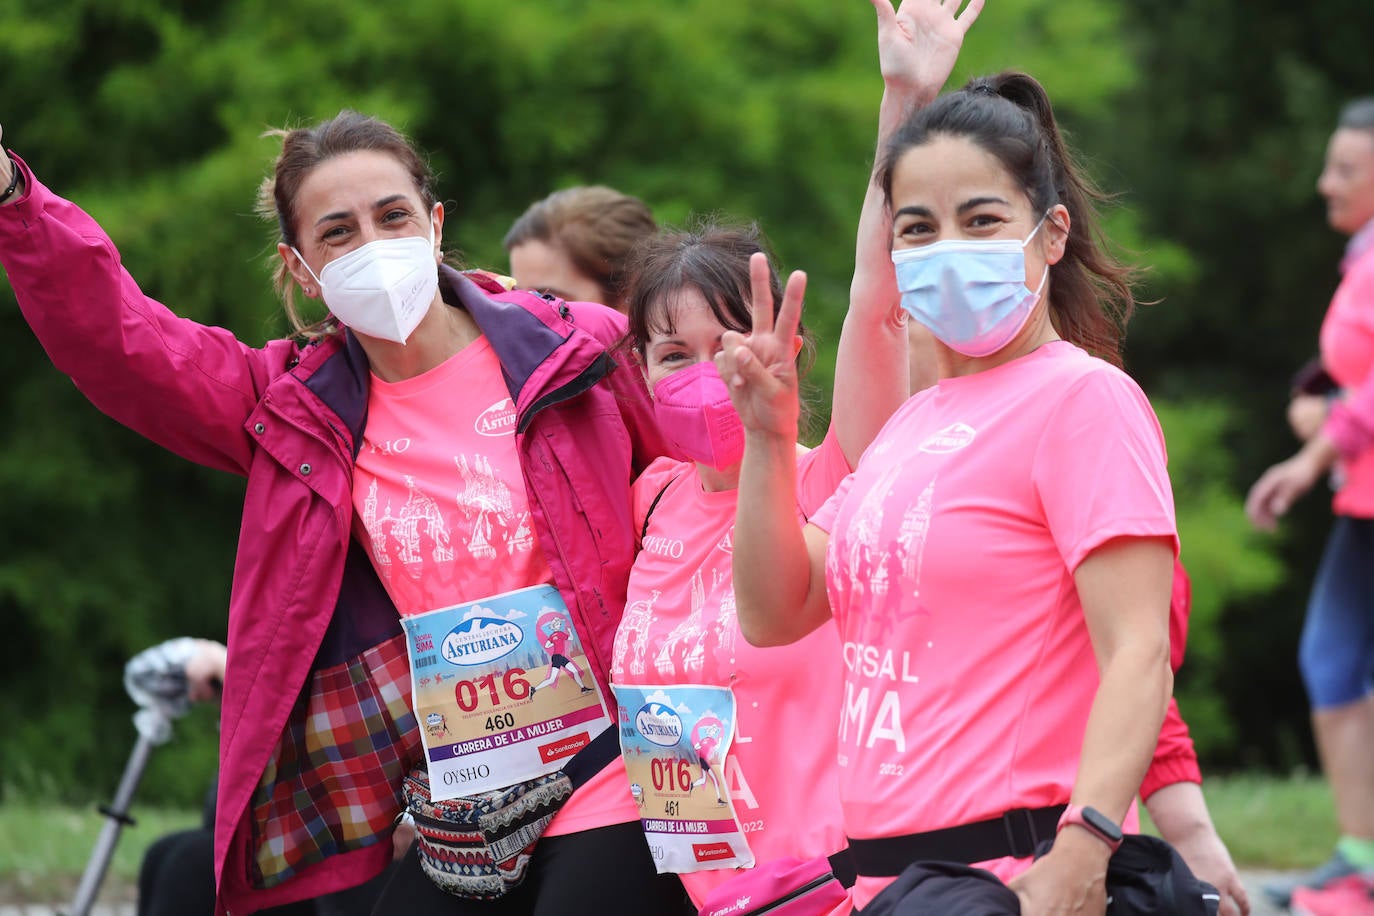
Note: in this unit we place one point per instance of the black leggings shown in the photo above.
(178, 879)
(601, 872)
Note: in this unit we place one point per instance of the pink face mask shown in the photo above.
(695, 415)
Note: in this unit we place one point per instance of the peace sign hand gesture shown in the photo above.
(761, 368)
(919, 41)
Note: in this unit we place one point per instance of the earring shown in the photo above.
(310, 290)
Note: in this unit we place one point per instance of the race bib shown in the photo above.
(674, 740)
(502, 689)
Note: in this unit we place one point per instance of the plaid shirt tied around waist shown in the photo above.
(335, 785)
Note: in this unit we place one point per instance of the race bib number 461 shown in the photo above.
(674, 739)
(502, 689)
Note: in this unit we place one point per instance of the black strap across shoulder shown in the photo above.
(644, 532)
(1015, 833)
(593, 758)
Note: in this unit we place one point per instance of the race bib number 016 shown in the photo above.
(674, 740)
(502, 690)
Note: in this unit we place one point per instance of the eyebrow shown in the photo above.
(345, 214)
(962, 208)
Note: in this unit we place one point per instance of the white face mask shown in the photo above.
(382, 289)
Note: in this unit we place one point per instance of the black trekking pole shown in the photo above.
(156, 680)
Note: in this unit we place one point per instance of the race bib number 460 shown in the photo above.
(502, 689)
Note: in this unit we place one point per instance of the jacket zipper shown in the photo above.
(583, 382)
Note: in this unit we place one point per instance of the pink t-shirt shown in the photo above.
(1347, 348)
(680, 628)
(441, 506)
(969, 671)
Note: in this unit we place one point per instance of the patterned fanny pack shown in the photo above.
(480, 846)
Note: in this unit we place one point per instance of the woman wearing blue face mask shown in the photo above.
(433, 441)
(999, 564)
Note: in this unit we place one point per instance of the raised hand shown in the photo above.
(761, 368)
(205, 671)
(1207, 857)
(919, 41)
(1278, 488)
(1306, 414)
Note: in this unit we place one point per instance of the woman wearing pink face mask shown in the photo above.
(752, 730)
(731, 749)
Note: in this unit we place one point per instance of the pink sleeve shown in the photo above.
(1175, 759)
(1350, 425)
(187, 386)
(1180, 603)
(824, 518)
(819, 472)
(1099, 468)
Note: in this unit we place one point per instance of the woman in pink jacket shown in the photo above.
(354, 435)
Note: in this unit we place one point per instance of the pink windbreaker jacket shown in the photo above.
(316, 726)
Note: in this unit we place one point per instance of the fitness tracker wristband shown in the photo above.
(1095, 822)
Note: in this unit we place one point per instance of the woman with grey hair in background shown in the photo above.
(1336, 652)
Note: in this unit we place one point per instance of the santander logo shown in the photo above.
(496, 420)
(950, 439)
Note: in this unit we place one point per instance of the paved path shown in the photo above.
(1259, 904)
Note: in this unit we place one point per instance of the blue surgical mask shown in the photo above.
(970, 293)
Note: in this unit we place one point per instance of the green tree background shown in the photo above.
(1208, 116)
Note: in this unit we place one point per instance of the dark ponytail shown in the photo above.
(1010, 116)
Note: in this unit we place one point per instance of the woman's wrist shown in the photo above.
(1077, 842)
(772, 442)
(900, 100)
(1318, 455)
(14, 182)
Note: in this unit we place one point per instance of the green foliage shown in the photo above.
(1227, 560)
(1285, 823)
(45, 848)
(1270, 822)
(1219, 146)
